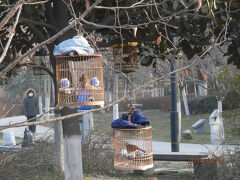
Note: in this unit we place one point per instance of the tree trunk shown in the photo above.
(179, 113)
(186, 88)
(57, 14)
(202, 89)
(195, 90)
(115, 95)
(58, 146)
(185, 102)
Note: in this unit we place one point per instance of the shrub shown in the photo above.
(205, 104)
(97, 154)
(231, 101)
(37, 160)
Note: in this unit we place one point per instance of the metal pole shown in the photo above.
(174, 113)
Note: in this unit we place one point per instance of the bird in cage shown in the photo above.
(83, 81)
(132, 151)
(132, 148)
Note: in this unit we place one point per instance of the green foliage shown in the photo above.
(205, 104)
(229, 77)
(231, 101)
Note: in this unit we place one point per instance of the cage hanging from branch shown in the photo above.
(133, 148)
(125, 57)
(80, 80)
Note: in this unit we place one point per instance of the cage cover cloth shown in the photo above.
(137, 120)
(77, 44)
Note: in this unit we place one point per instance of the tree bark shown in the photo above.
(185, 102)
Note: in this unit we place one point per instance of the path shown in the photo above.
(158, 147)
(42, 131)
(165, 147)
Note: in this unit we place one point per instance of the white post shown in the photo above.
(87, 124)
(185, 102)
(214, 123)
(222, 136)
(115, 96)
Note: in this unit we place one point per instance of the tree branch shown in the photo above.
(10, 14)
(12, 33)
(49, 26)
(48, 41)
(129, 7)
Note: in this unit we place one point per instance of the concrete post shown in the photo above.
(86, 123)
(72, 146)
(221, 120)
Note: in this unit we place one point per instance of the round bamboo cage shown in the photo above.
(125, 58)
(80, 80)
(133, 148)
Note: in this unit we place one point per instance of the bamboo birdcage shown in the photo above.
(125, 58)
(133, 148)
(80, 80)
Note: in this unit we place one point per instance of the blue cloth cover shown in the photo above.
(84, 108)
(124, 123)
(137, 120)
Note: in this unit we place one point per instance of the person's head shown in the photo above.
(30, 93)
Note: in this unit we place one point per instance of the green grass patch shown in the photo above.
(160, 122)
